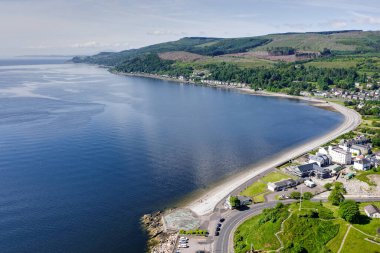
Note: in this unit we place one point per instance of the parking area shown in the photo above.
(196, 244)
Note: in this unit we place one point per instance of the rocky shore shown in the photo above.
(159, 240)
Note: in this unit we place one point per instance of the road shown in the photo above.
(222, 242)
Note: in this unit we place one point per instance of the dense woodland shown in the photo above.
(290, 77)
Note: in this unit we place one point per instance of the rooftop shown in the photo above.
(371, 209)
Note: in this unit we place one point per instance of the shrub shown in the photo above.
(307, 195)
(328, 186)
(349, 210)
(295, 195)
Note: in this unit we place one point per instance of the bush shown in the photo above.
(328, 186)
(349, 210)
(308, 214)
(307, 195)
(295, 195)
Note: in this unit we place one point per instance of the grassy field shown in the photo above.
(367, 225)
(316, 228)
(355, 242)
(247, 233)
(334, 243)
(258, 189)
(363, 176)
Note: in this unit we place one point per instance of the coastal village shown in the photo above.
(352, 161)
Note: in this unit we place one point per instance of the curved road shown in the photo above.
(222, 243)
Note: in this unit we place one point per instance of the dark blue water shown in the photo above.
(84, 153)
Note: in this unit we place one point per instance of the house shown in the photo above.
(372, 211)
(377, 155)
(362, 164)
(321, 159)
(243, 201)
(310, 183)
(280, 185)
(359, 149)
(339, 155)
(310, 169)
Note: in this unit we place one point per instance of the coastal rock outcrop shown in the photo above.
(159, 240)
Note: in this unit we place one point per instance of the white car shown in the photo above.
(183, 245)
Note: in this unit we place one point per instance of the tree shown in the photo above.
(336, 197)
(234, 201)
(349, 210)
(307, 195)
(295, 195)
(328, 186)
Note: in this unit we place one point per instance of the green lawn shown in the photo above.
(310, 233)
(355, 243)
(258, 189)
(368, 225)
(275, 176)
(305, 229)
(334, 243)
(363, 176)
(260, 232)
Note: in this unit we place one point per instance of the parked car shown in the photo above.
(216, 233)
(219, 225)
(222, 219)
(217, 228)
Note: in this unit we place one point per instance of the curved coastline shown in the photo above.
(207, 202)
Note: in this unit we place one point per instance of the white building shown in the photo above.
(372, 211)
(362, 164)
(309, 183)
(359, 149)
(339, 155)
(321, 159)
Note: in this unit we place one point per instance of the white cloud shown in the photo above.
(165, 33)
(366, 19)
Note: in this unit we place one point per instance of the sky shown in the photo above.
(85, 27)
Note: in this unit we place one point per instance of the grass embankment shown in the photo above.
(259, 189)
(316, 228)
(268, 223)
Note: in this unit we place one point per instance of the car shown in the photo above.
(219, 225)
(216, 233)
(182, 241)
(183, 246)
(222, 219)
(217, 229)
(182, 237)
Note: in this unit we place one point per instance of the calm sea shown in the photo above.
(84, 153)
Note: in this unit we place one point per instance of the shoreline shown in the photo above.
(205, 203)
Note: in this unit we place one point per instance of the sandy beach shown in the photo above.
(208, 201)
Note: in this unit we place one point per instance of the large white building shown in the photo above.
(339, 155)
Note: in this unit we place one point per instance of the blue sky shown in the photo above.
(90, 26)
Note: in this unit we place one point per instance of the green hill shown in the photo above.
(339, 42)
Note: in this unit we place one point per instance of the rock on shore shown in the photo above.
(159, 240)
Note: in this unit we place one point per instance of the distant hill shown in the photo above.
(339, 42)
